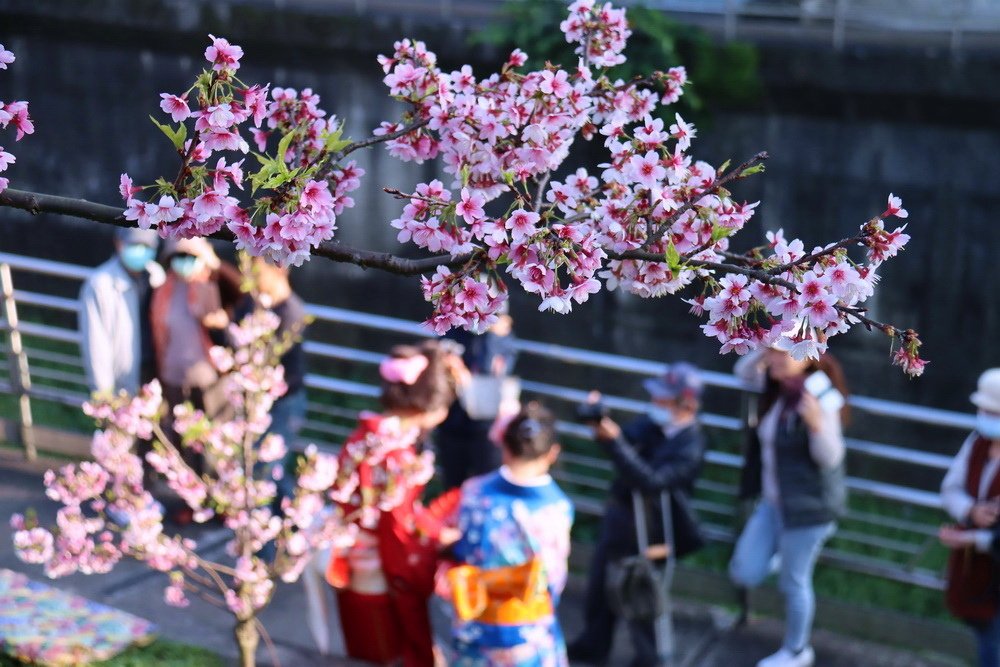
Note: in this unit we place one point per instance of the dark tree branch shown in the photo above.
(371, 141)
(756, 274)
(809, 259)
(35, 203)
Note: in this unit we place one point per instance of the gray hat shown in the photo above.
(680, 379)
(128, 235)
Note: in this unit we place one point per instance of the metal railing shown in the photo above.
(888, 536)
(954, 25)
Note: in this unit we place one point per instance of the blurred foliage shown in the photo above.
(721, 75)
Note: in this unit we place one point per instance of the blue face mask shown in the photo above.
(988, 425)
(185, 266)
(135, 256)
(660, 416)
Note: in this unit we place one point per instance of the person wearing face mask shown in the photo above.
(794, 472)
(187, 316)
(115, 338)
(661, 451)
(970, 493)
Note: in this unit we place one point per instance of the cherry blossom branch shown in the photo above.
(811, 258)
(204, 595)
(735, 174)
(266, 636)
(756, 274)
(36, 203)
(377, 139)
(542, 182)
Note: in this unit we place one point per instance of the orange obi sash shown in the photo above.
(512, 595)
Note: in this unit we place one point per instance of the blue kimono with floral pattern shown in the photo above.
(504, 523)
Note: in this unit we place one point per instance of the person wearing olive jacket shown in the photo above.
(658, 452)
(794, 469)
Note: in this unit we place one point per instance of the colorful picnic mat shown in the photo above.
(47, 626)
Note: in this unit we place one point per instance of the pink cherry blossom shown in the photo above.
(17, 112)
(176, 106)
(471, 206)
(522, 223)
(6, 57)
(895, 207)
(682, 132)
(646, 170)
(164, 211)
(6, 159)
(223, 55)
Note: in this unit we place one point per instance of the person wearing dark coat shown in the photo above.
(463, 444)
(661, 452)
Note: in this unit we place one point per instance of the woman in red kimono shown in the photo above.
(385, 580)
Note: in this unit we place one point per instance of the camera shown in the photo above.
(591, 412)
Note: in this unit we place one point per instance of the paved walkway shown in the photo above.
(704, 635)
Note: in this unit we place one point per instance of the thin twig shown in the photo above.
(809, 259)
(207, 597)
(734, 174)
(371, 141)
(271, 648)
(542, 182)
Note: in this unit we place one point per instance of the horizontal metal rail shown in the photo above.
(47, 301)
(45, 267)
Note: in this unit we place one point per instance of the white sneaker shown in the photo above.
(785, 658)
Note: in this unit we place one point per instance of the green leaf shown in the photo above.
(180, 136)
(283, 145)
(722, 168)
(176, 137)
(267, 172)
(720, 232)
(673, 257)
(333, 142)
(750, 171)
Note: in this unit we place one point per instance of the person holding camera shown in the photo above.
(794, 470)
(660, 452)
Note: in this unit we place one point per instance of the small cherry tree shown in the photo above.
(107, 514)
(651, 220)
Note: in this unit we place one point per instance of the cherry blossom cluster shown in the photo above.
(12, 113)
(302, 193)
(813, 300)
(599, 30)
(654, 220)
(509, 126)
(107, 514)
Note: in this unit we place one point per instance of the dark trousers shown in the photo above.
(616, 540)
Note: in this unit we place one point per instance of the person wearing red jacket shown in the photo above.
(385, 580)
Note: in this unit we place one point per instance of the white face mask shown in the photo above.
(988, 425)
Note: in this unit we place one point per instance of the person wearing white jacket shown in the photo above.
(115, 340)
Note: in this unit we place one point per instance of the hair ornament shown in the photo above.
(403, 370)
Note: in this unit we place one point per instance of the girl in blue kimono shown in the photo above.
(515, 525)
